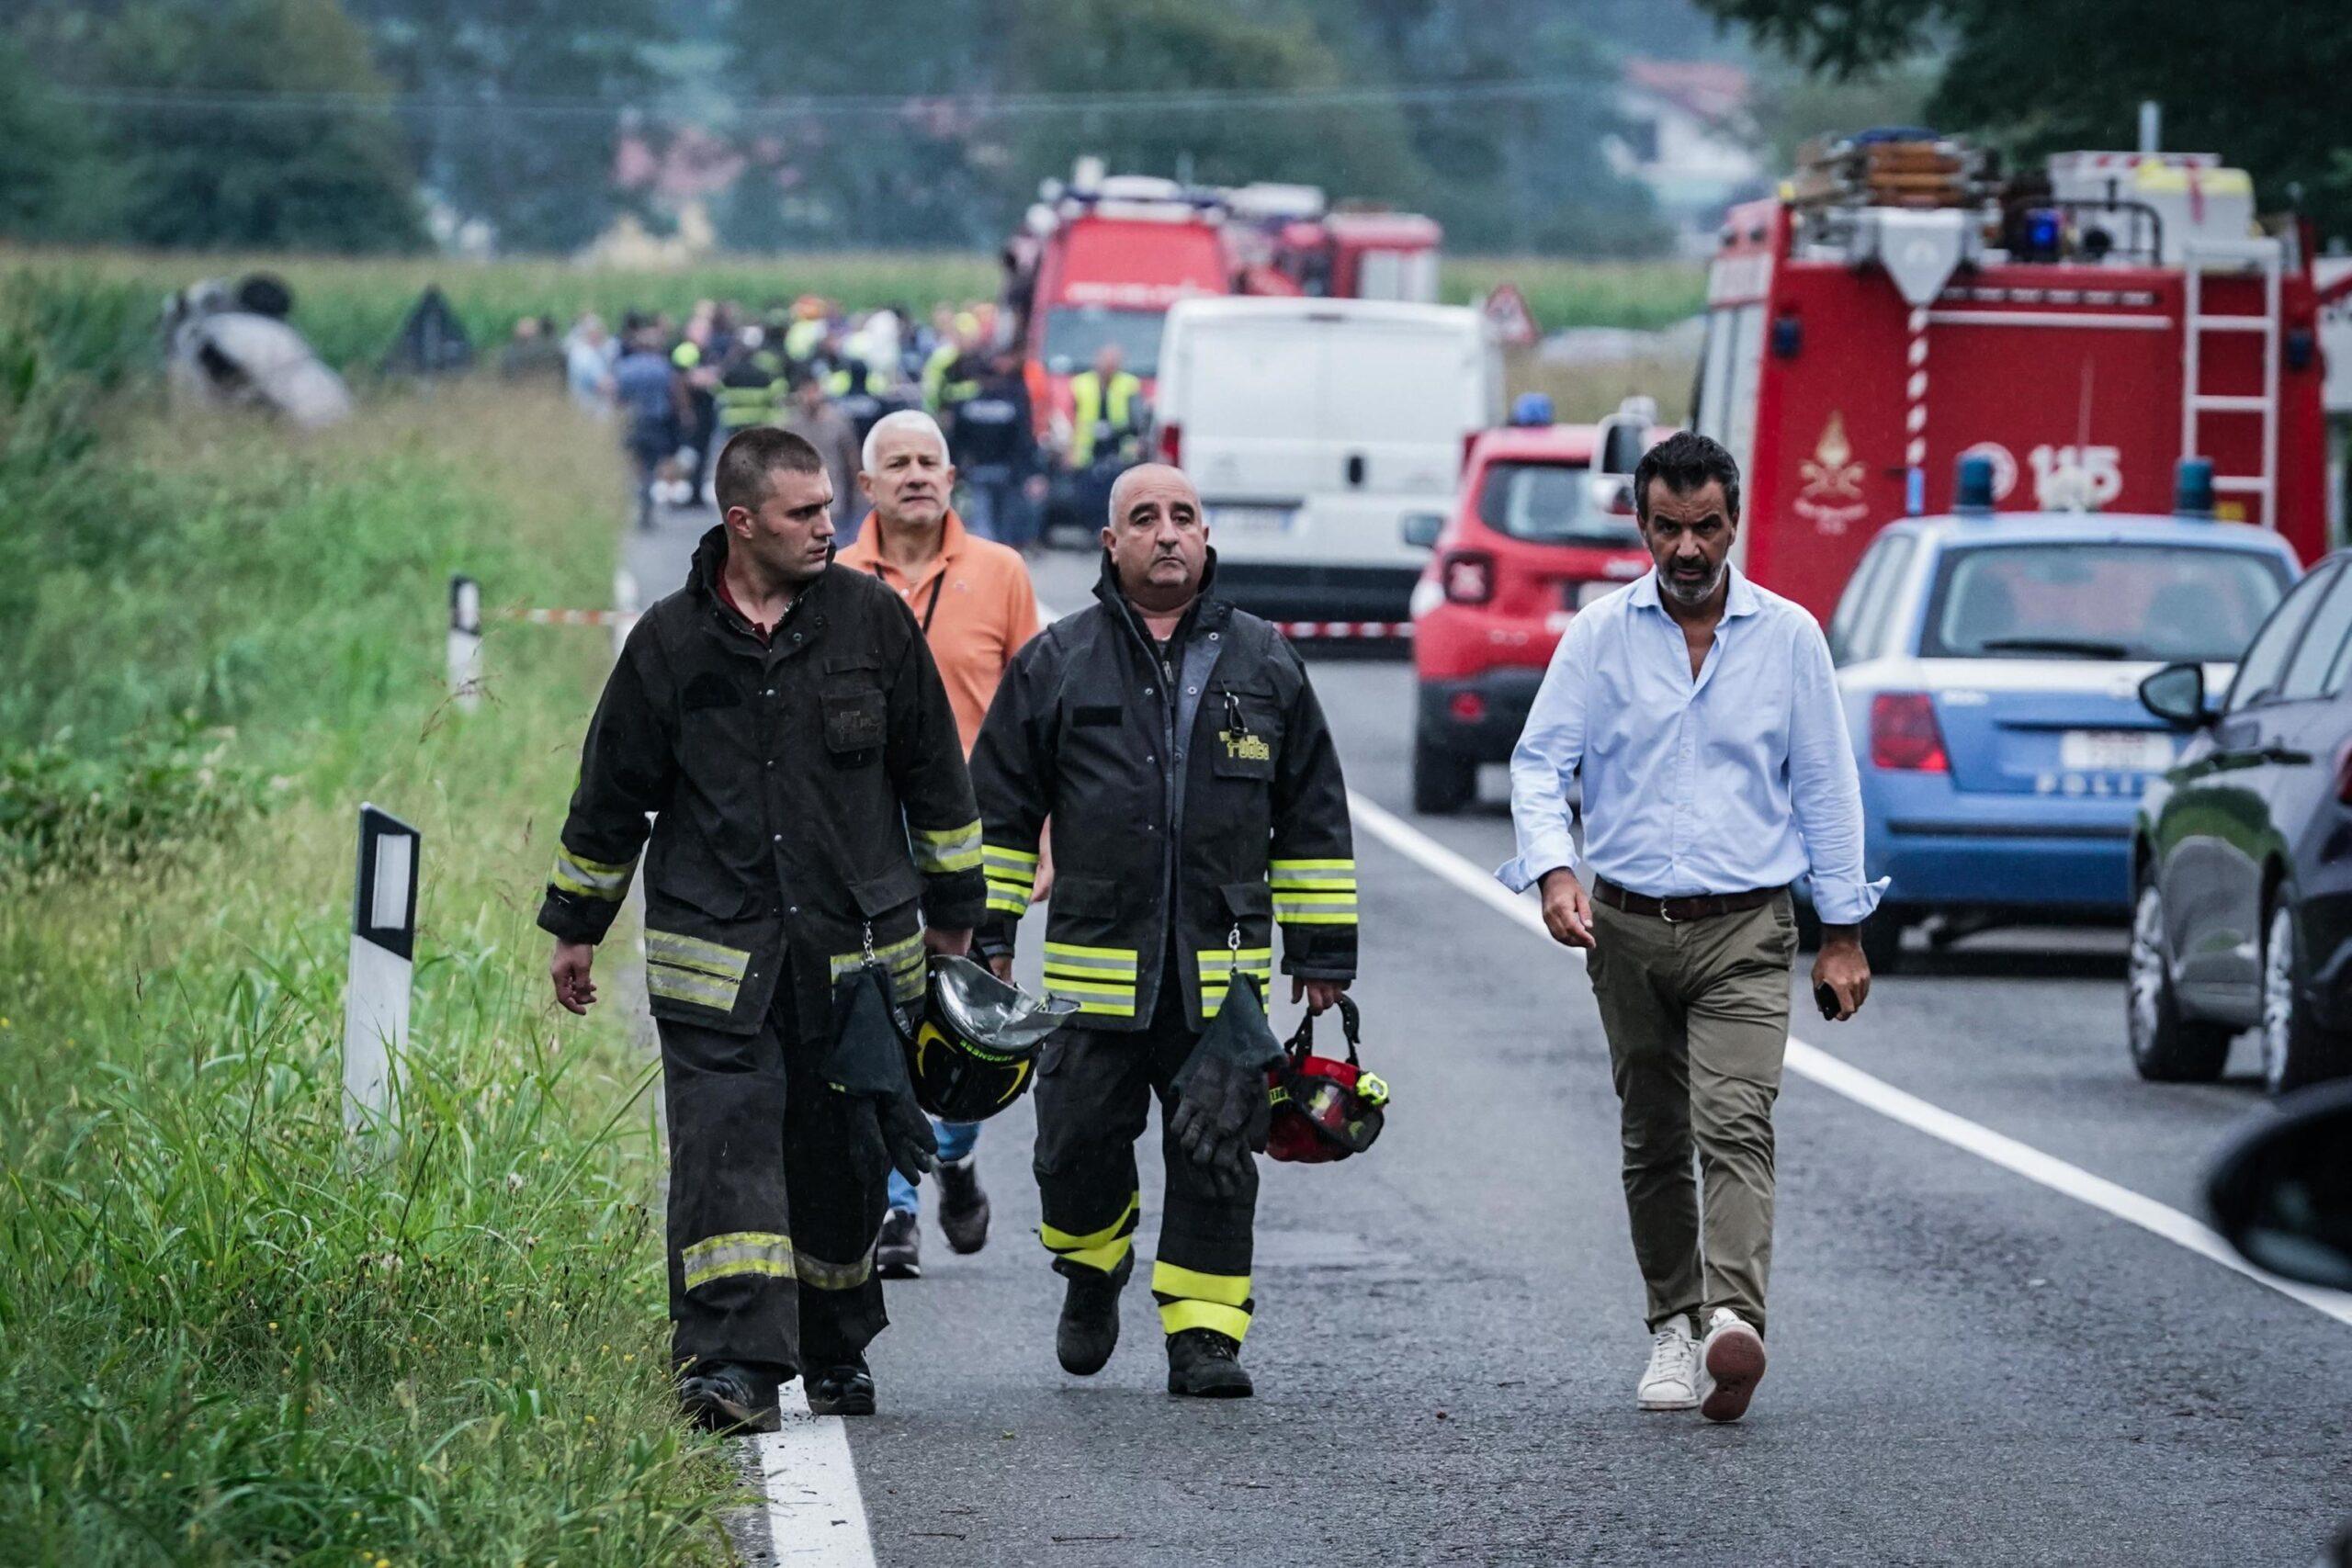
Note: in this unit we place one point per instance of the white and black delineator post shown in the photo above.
(464, 642)
(383, 953)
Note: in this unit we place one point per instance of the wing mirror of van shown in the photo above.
(2282, 1193)
(1421, 529)
(1612, 494)
(2176, 693)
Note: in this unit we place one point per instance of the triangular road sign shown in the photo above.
(1513, 321)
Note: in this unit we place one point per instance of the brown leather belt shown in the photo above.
(1674, 911)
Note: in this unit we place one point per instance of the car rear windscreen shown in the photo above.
(2098, 601)
(1549, 503)
(1076, 334)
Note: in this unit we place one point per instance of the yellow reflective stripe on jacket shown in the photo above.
(1099, 979)
(1097, 1250)
(683, 952)
(591, 878)
(1313, 892)
(944, 850)
(675, 984)
(1217, 967)
(1190, 1299)
(1012, 878)
(905, 959)
(737, 1253)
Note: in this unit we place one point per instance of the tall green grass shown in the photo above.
(228, 1333)
(352, 309)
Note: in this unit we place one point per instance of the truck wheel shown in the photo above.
(2166, 1046)
(1882, 941)
(2295, 1050)
(1443, 781)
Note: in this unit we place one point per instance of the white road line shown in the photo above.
(816, 1514)
(1840, 1076)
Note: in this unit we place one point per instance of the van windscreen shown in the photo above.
(1076, 334)
(1549, 503)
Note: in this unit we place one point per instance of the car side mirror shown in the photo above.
(1612, 494)
(2282, 1193)
(1421, 529)
(2176, 693)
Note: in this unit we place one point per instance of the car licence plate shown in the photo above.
(2114, 751)
(1252, 519)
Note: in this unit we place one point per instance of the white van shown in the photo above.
(1313, 429)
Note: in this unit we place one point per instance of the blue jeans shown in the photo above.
(956, 1141)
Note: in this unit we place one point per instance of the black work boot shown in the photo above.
(847, 1390)
(1204, 1364)
(897, 1255)
(720, 1396)
(1090, 1326)
(962, 1207)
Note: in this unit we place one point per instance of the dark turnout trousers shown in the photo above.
(776, 1191)
(1094, 1093)
(1697, 1015)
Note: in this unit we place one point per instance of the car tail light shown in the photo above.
(1469, 445)
(1468, 577)
(1172, 445)
(1468, 707)
(1903, 736)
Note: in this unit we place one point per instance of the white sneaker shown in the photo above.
(1671, 1379)
(1730, 1365)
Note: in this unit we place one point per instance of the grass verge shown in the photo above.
(228, 1334)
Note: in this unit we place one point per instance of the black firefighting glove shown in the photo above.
(1222, 1110)
(868, 1064)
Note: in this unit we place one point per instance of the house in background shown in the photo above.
(1688, 135)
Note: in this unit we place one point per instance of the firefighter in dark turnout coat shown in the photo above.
(782, 719)
(1196, 802)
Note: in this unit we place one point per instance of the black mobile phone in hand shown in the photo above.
(1824, 996)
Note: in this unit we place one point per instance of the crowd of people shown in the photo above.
(677, 389)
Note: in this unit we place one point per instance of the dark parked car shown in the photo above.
(2242, 854)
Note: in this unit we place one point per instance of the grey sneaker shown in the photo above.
(962, 1207)
(1671, 1379)
(898, 1254)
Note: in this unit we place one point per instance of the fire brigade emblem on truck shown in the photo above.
(1831, 499)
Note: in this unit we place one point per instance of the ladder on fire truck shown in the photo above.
(2264, 257)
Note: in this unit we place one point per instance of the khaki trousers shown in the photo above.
(1697, 1015)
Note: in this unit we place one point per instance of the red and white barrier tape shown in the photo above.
(564, 617)
(1341, 631)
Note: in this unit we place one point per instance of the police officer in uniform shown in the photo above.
(783, 717)
(1196, 802)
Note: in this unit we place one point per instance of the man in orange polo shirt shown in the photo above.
(974, 601)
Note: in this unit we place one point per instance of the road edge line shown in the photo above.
(1873, 1093)
(816, 1512)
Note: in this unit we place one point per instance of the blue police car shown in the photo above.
(1990, 667)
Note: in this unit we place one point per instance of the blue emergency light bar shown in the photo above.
(1973, 487)
(2192, 487)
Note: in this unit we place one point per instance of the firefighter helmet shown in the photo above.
(974, 1047)
(1324, 1109)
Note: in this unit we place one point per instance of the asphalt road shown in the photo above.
(1967, 1366)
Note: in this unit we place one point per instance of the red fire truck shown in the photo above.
(1285, 239)
(1101, 261)
(1900, 304)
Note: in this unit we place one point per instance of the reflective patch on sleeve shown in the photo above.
(1012, 878)
(591, 878)
(737, 1253)
(939, 850)
(1313, 892)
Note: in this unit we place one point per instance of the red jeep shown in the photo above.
(1533, 540)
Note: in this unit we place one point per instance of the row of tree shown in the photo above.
(369, 125)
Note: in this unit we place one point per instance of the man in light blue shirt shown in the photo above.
(1701, 714)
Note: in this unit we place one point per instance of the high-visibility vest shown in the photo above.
(1089, 408)
(750, 392)
(934, 372)
(802, 338)
(840, 383)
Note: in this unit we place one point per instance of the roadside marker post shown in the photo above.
(464, 642)
(383, 962)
